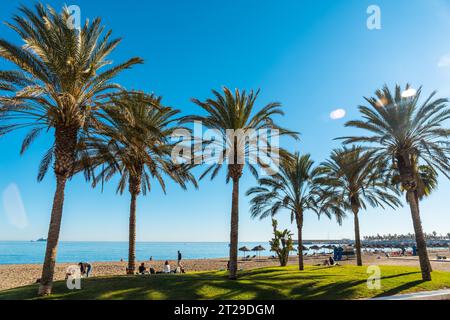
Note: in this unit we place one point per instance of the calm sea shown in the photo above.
(21, 252)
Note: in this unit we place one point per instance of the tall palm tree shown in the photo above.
(57, 87)
(234, 118)
(351, 178)
(294, 188)
(426, 181)
(133, 140)
(407, 134)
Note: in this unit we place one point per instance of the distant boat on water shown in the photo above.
(39, 240)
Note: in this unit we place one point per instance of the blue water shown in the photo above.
(21, 252)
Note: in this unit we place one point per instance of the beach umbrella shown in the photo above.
(258, 249)
(244, 249)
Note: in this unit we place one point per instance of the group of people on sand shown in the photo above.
(329, 262)
(166, 269)
(85, 270)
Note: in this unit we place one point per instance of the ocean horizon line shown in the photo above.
(162, 241)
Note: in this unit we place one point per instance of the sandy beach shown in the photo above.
(15, 275)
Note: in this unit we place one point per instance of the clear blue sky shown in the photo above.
(313, 56)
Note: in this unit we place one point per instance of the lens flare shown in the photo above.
(14, 207)
(337, 114)
(409, 93)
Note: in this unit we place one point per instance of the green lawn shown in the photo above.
(342, 282)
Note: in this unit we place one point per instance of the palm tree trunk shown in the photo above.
(46, 282)
(420, 239)
(132, 236)
(417, 200)
(134, 187)
(357, 238)
(234, 230)
(299, 218)
(66, 139)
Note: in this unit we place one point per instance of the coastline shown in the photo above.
(18, 275)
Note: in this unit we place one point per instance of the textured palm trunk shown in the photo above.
(65, 145)
(234, 232)
(424, 261)
(417, 200)
(357, 238)
(299, 219)
(134, 188)
(235, 172)
(45, 287)
(132, 237)
(405, 166)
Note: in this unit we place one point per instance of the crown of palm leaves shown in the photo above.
(236, 111)
(401, 126)
(133, 140)
(60, 76)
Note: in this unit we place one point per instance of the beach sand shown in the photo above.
(12, 276)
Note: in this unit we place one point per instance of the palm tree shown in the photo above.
(57, 87)
(294, 188)
(351, 179)
(426, 178)
(133, 141)
(407, 134)
(233, 117)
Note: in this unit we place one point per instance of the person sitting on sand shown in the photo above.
(331, 261)
(142, 269)
(166, 267)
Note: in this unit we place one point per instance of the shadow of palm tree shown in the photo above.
(400, 288)
(322, 283)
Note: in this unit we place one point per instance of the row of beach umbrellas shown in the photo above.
(261, 248)
(257, 249)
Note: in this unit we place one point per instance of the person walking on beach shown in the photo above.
(179, 258)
